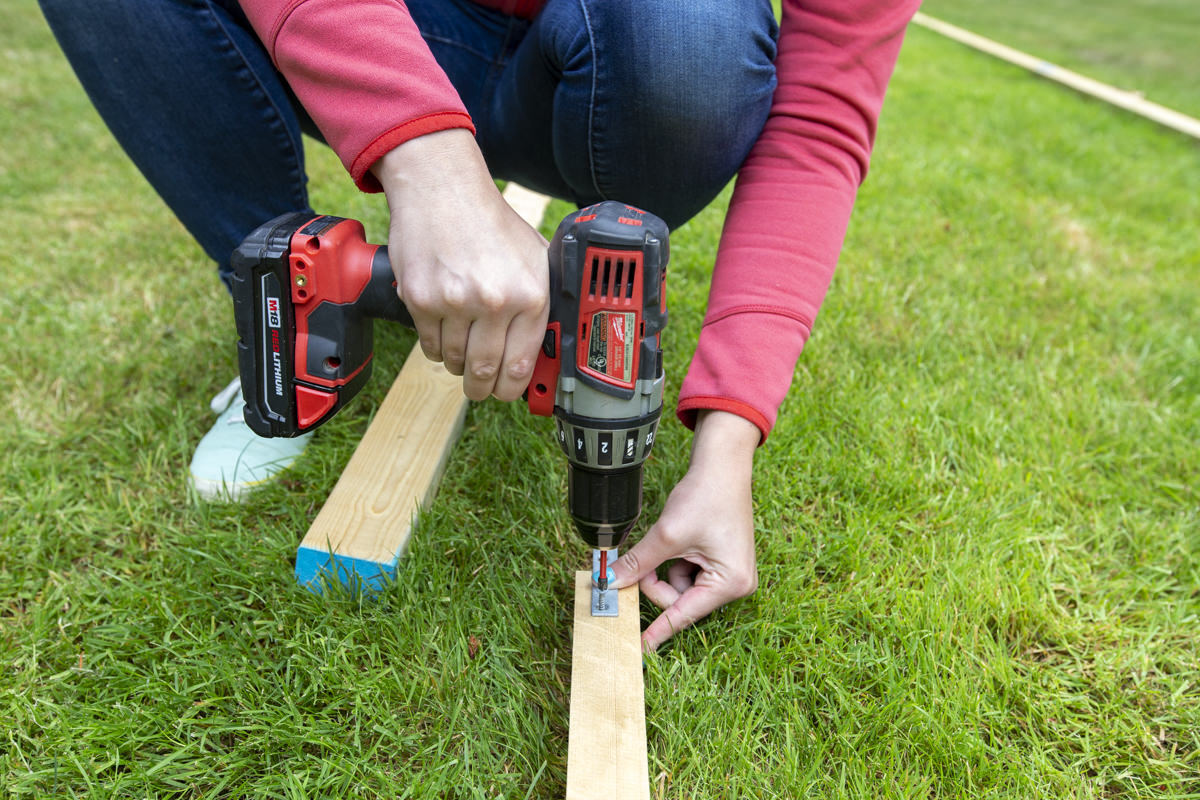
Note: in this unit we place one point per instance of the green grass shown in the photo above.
(978, 517)
(1147, 46)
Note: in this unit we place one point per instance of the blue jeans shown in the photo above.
(650, 102)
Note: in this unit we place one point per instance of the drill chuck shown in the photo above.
(604, 505)
(604, 473)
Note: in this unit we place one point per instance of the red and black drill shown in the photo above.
(308, 288)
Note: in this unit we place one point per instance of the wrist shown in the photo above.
(430, 160)
(724, 441)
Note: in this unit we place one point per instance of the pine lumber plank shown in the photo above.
(363, 529)
(606, 745)
(361, 532)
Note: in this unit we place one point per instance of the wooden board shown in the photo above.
(1130, 101)
(364, 526)
(606, 748)
(361, 532)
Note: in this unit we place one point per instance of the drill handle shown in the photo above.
(379, 299)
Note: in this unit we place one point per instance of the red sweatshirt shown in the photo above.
(375, 85)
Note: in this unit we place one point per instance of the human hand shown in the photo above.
(707, 524)
(472, 273)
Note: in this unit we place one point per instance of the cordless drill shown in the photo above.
(307, 289)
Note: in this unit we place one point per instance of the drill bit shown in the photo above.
(604, 599)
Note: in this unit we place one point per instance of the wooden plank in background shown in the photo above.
(606, 748)
(529, 204)
(1130, 101)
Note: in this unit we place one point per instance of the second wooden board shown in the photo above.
(606, 748)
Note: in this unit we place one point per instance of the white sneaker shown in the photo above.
(231, 459)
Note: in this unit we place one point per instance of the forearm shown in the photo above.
(791, 206)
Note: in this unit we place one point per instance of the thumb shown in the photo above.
(641, 559)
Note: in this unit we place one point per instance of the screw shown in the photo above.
(301, 280)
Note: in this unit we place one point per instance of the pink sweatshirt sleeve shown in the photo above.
(792, 202)
(363, 73)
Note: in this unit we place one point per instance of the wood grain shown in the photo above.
(606, 748)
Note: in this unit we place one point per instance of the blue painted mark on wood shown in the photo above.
(316, 569)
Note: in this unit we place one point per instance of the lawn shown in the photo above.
(978, 518)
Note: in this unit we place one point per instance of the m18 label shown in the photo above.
(274, 319)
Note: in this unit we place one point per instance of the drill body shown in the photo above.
(307, 289)
(607, 311)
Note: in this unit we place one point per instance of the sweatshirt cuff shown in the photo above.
(686, 411)
(744, 364)
(363, 72)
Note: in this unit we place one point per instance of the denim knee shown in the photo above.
(681, 93)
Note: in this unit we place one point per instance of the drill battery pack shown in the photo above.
(305, 290)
